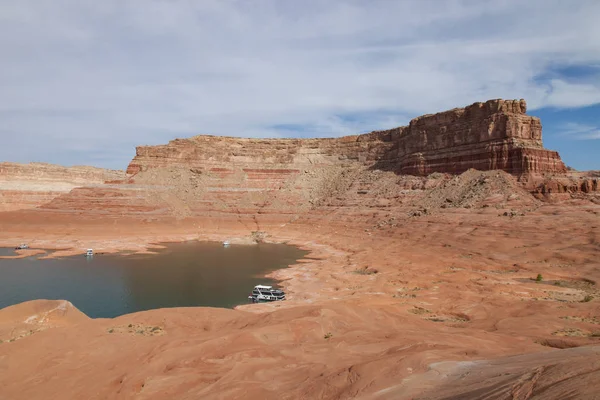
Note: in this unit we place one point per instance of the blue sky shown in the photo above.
(84, 82)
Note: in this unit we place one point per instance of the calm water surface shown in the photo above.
(182, 275)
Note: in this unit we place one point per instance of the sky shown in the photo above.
(82, 82)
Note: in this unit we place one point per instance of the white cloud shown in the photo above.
(90, 79)
(567, 95)
(579, 131)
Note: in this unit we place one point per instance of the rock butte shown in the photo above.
(424, 241)
(496, 134)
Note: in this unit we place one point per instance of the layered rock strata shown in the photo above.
(24, 186)
(226, 178)
(229, 179)
(496, 134)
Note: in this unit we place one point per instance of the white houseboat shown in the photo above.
(262, 293)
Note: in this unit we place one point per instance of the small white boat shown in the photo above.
(22, 246)
(89, 253)
(226, 243)
(262, 293)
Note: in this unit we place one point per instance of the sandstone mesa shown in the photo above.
(455, 212)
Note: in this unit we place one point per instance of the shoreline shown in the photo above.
(143, 245)
(283, 276)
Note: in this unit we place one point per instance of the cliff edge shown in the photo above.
(497, 134)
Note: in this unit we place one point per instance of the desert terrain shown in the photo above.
(454, 258)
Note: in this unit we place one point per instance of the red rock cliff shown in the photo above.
(496, 134)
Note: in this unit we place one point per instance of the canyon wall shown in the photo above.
(272, 181)
(24, 186)
(228, 179)
(496, 134)
(225, 178)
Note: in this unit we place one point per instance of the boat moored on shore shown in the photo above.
(263, 293)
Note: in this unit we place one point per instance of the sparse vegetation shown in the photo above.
(589, 281)
(589, 320)
(539, 278)
(419, 310)
(570, 332)
(557, 343)
(404, 295)
(587, 298)
(328, 335)
(258, 236)
(137, 329)
(365, 271)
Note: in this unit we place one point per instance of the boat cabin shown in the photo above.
(89, 253)
(263, 293)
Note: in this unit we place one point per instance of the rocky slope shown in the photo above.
(30, 185)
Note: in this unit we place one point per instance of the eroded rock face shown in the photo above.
(496, 134)
(229, 177)
(282, 177)
(30, 185)
(558, 187)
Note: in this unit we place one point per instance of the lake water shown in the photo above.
(181, 275)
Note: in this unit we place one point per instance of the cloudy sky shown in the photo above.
(85, 81)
